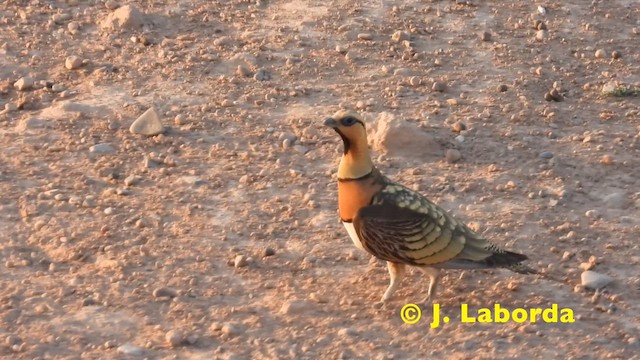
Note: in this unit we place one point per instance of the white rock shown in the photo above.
(130, 349)
(103, 148)
(73, 62)
(147, 124)
(401, 138)
(593, 280)
(24, 83)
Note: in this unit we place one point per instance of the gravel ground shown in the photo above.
(219, 236)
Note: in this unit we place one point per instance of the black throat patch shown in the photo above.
(345, 141)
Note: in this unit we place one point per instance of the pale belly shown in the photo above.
(354, 236)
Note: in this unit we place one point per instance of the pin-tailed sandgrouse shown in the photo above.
(396, 224)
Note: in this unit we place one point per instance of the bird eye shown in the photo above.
(348, 121)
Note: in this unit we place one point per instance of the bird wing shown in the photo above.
(402, 226)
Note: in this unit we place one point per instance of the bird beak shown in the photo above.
(331, 122)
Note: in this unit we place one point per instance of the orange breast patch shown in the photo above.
(352, 195)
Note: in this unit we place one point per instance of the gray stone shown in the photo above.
(546, 155)
(439, 86)
(148, 124)
(262, 75)
(616, 200)
(60, 18)
(103, 148)
(593, 280)
(452, 156)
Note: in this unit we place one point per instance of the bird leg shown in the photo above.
(433, 275)
(396, 272)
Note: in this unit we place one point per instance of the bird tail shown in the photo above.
(506, 259)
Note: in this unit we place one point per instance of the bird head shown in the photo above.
(356, 161)
(350, 126)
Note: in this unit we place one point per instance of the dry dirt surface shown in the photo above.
(219, 238)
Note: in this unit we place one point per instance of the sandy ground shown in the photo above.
(220, 238)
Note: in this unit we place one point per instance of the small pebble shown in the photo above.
(174, 337)
(73, 62)
(485, 36)
(502, 88)
(452, 156)
(592, 214)
(261, 75)
(243, 71)
(541, 35)
(365, 36)
(295, 307)
(616, 54)
(546, 155)
(148, 123)
(165, 292)
(458, 126)
(24, 83)
(595, 281)
(268, 252)
(60, 18)
(600, 54)
(347, 332)
(130, 349)
(300, 149)
(548, 97)
(103, 148)
(400, 36)
(132, 180)
(439, 86)
(230, 329)
(584, 266)
(111, 4)
(240, 261)
(606, 159)
(58, 88)
(415, 81)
